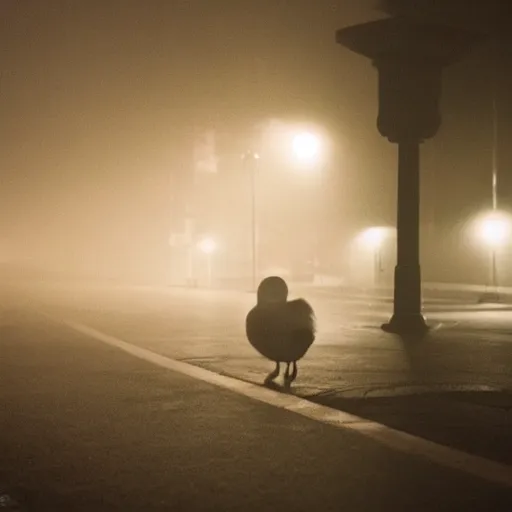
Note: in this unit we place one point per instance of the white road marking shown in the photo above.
(396, 439)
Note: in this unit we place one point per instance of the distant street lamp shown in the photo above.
(494, 229)
(306, 147)
(208, 246)
(409, 57)
(373, 238)
(250, 159)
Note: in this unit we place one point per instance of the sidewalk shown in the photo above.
(443, 291)
(429, 289)
(441, 389)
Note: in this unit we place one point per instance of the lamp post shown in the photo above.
(494, 226)
(250, 159)
(409, 57)
(208, 246)
(373, 238)
(494, 230)
(307, 149)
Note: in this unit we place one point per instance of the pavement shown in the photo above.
(84, 448)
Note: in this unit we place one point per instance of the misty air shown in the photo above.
(255, 255)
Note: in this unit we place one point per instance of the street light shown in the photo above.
(306, 147)
(373, 238)
(208, 246)
(250, 159)
(494, 229)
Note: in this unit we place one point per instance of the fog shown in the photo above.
(104, 104)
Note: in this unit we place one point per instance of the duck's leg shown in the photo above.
(273, 374)
(287, 378)
(293, 376)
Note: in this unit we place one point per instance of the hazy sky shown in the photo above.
(98, 99)
(101, 94)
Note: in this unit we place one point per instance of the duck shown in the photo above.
(281, 330)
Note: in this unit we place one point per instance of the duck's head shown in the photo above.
(272, 290)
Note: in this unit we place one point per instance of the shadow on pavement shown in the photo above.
(471, 421)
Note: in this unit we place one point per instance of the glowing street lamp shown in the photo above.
(494, 229)
(208, 246)
(374, 238)
(306, 147)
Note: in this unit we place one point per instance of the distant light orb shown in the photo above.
(373, 238)
(207, 245)
(494, 229)
(306, 146)
(251, 155)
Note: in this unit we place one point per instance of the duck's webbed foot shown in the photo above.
(272, 375)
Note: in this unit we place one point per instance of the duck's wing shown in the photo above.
(266, 332)
(300, 315)
(255, 325)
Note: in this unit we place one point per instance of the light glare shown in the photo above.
(207, 245)
(374, 237)
(494, 229)
(306, 146)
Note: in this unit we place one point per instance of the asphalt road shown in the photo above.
(469, 344)
(454, 387)
(88, 427)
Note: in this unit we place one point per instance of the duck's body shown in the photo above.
(278, 329)
(281, 332)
